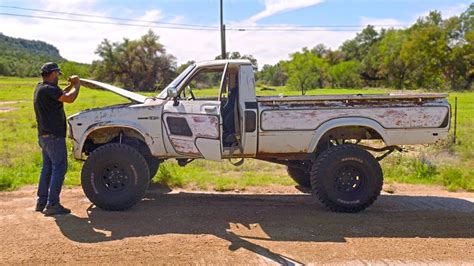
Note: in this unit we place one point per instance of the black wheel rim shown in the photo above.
(348, 179)
(114, 178)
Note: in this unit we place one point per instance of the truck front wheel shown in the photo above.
(115, 177)
(346, 178)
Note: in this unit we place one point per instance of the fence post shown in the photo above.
(455, 117)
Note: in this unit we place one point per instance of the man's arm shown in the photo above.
(71, 91)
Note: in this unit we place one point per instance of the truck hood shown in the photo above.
(134, 97)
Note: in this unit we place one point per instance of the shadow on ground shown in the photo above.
(240, 219)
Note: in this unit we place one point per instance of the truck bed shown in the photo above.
(399, 118)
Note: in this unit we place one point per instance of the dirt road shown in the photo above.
(417, 224)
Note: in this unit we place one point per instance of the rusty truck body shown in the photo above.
(319, 138)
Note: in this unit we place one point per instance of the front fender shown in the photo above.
(79, 143)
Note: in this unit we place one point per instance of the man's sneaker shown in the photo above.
(56, 209)
(40, 207)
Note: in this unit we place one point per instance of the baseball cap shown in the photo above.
(50, 67)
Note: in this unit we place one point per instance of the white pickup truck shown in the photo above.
(316, 137)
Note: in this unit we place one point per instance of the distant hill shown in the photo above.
(23, 58)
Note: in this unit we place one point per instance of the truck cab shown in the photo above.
(215, 127)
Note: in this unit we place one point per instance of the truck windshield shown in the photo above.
(176, 81)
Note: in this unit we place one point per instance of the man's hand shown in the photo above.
(74, 79)
(72, 90)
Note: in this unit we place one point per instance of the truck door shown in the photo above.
(248, 110)
(192, 124)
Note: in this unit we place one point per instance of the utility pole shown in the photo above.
(223, 52)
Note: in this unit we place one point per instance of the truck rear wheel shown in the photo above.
(115, 177)
(346, 178)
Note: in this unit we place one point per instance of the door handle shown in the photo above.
(210, 108)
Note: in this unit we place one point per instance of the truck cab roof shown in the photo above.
(219, 62)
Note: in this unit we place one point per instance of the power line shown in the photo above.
(172, 27)
(348, 28)
(105, 22)
(104, 17)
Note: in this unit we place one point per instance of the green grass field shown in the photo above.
(447, 164)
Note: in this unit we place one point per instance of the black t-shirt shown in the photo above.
(49, 110)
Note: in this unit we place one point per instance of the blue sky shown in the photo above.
(326, 12)
(78, 41)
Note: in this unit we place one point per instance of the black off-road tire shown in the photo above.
(115, 177)
(300, 176)
(346, 178)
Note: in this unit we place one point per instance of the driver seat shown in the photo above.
(228, 117)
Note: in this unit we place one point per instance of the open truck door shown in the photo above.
(192, 125)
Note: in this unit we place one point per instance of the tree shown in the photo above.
(425, 52)
(334, 57)
(273, 75)
(137, 64)
(345, 74)
(393, 67)
(358, 47)
(320, 50)
(72, 68)
(305, 71)
(459, 68)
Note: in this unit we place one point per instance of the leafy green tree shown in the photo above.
(305, 71)
(358, 47)
(72, 68)
(459, 65)
(137, 64)
(320, 50)
(334, 57)
(345, 75)
(393, 67)
(273, 75)
(425, 51)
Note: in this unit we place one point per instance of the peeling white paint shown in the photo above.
(413, 117)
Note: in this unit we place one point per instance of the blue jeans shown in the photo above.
(54, 168)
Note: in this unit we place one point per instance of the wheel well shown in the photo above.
(350, 133)
(124, 135)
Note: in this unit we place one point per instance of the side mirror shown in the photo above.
(172, 92)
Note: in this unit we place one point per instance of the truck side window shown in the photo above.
(204, 85)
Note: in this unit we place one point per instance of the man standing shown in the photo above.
(51, 120)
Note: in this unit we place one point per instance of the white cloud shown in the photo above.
(70, 6)
(273, 7)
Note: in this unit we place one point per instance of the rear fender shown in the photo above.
(346, 122)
